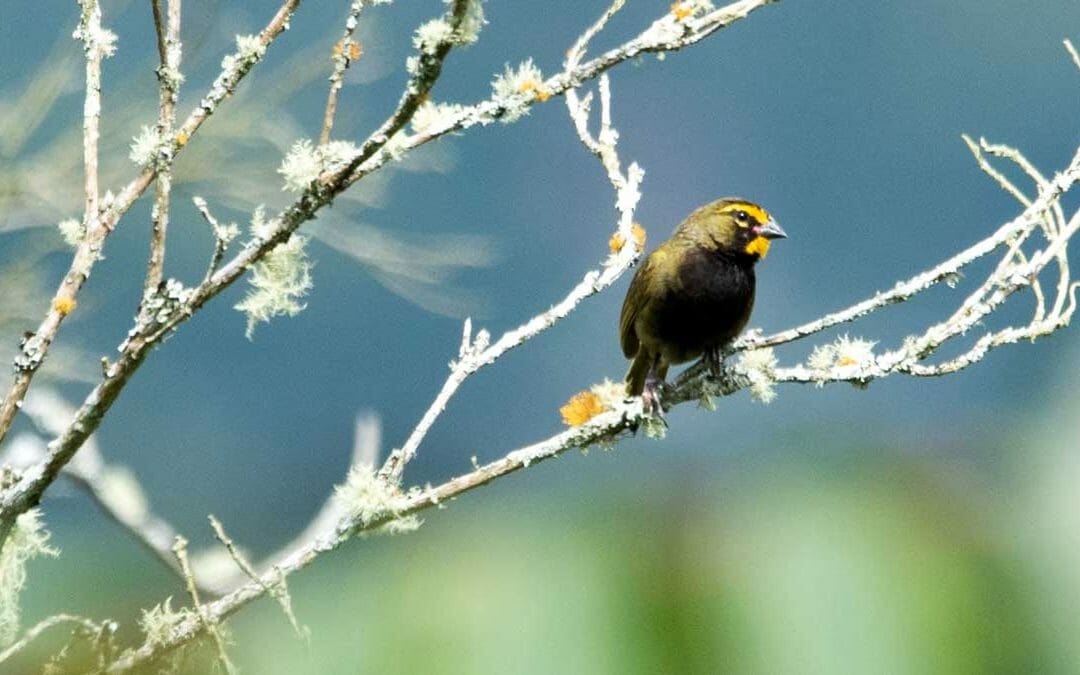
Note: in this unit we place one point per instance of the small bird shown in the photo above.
(694, 293)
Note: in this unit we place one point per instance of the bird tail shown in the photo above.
(639, 370)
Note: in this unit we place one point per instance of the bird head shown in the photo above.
(731, 225)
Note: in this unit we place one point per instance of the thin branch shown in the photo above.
(114, 487)
(279, 591)
(945, 271)
(666, 34)
(857, 365)
(208, 623)
(97, 44)
(176, 303)
(169, 51)
(223, 236)
(104, 217)
(1073, 53)
(346, 51)
(475, 355)
(37, 630)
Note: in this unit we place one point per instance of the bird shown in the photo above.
(693, 294)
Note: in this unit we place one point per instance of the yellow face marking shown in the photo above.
(758, 246)
(753, 210)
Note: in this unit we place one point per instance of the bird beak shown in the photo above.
(770, 230)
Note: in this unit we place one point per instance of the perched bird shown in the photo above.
(694, 293)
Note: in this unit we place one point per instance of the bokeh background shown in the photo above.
(919, 526)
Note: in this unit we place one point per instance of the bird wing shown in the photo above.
(637, 296)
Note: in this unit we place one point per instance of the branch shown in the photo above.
(855, 365)
(346, 51)
(846, 360)
(474, 355)
(207, 623)
(172, 303)
(169, 51)
(671, 32)
(105, 629)
(114, 487)
(101, 221)
(98, 43)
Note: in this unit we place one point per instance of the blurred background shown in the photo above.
(919, 526)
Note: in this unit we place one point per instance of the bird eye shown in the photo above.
(742, 216)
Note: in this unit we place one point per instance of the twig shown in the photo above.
(169, 52)
(279, 591)
(35, 348)
(97, 44)
(114, 488)
(342, 57)
(666, 34)
(223, 236)
(1073, 53)
(209, 623)
(36, 631)
(606, 428)
(946, 271)
(475, 355)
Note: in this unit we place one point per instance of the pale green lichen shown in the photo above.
(144, 147)
(301, 166)
(305, 162)
(368, 498)
(510, 86)
(160, 622)
(468, 30)
(278, 282)
(434, 116)
(654, 426)
(759, 366)
(28, 539)
(431, 34)
(844, 353)
(72, 231)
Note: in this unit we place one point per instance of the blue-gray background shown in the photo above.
(917, 526)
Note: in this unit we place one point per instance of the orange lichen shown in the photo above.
(636, 231)
(352, 51)
(582, 407)
(846, 361)
(681, 10)
(182, 138)
(537, 88)
(64, 305)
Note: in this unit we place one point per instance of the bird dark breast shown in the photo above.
(709, 306)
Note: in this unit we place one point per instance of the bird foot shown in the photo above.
(650, 400)
(712, 362)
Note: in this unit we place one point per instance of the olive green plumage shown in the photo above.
(694, 293)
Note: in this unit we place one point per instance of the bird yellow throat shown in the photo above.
(758, 246)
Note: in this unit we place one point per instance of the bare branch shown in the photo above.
(209, 624)
(279, 591)
(346, 51)
(1073, 53)
(169, 50)
(36, 631)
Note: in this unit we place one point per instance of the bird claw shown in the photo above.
(712, 362)
(650, 401)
